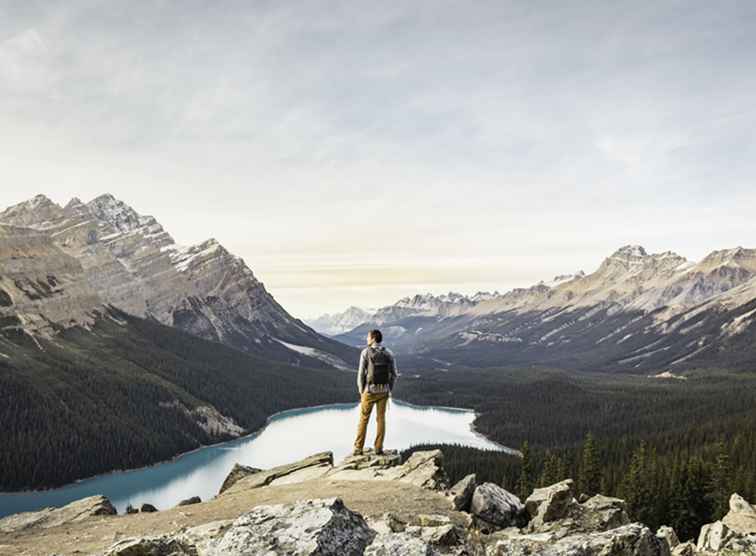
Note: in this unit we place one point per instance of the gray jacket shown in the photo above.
(362, 373)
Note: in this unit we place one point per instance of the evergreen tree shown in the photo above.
(525, 482)
(589, 480)
(720, 485)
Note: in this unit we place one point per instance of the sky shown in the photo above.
(357, 152)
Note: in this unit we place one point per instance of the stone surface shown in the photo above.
(147, 508)
(424, 469)
(312, 527)
(461, 493)
(190, 501)
(629, 540)
(238, 472)
(495, 505)
(308, 468)
(399, 544)
(151, 546)
(742, 516)
(77, 511)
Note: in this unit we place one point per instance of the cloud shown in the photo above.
(542, 130)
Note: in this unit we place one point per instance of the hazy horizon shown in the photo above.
(356, 153)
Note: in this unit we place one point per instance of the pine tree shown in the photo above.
(550, 474)
(589, 480)
(525, 483)
(720, 486)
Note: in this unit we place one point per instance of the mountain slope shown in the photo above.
(128, 392)
(636, 312)
(132, 263)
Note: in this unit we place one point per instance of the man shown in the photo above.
(375, 379)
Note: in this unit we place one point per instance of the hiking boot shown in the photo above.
(378, 452)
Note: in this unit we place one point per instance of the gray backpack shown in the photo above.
(378, 366)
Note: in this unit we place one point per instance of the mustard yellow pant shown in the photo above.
(367, 401)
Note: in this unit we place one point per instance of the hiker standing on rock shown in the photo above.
(375, 379)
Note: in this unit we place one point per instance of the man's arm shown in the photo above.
(361, 370)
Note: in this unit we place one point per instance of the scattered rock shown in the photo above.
(148, 509)
(311, 527)
(461, 493)
(151, 546)
(74, 512)
(190, 501)
(131, 509)
(495, 505)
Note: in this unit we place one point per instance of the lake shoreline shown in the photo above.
(251, 435)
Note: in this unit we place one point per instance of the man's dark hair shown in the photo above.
(376, 335)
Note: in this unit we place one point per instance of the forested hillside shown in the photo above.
(674, 449)
(131, 392)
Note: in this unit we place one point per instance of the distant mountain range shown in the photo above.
(61, 264)
(636, 312)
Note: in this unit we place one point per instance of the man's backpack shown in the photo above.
(378, 366)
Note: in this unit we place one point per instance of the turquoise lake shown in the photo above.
(289, 436)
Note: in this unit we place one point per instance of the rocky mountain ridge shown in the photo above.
(636, 311)
(370, 505)
(131, 262)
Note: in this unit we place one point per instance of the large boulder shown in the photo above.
(311, 527)
(496, 506)
(151, 546)
(552, 502)
(629, 540)
(460, 495)
(190, 501)
(74, 512)
(238, 472)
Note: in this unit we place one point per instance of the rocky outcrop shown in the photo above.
(309, 468)
(550, 522)
(237, 472)
(77, 511)
(628, 540)
(735, 533)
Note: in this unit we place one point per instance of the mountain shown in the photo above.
(87, 388)
(636, 311)
(130, 262)
(338, 323)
